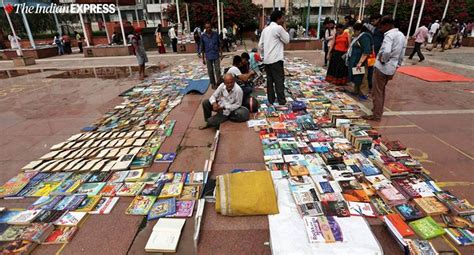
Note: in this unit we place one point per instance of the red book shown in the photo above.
(397, 168)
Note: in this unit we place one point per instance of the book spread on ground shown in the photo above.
(165, 235)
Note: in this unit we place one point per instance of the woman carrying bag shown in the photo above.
(360, 49)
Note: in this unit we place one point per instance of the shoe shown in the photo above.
(363, 97)
(421, 60)
(204, 127)
(371, 117)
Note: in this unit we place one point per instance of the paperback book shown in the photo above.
(141, 205)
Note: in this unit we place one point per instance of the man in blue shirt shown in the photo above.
(210, 49)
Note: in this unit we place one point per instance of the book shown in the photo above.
(430, 205)
(91, 189)
(88, 204)
(391, 195)
(300, 180)
(99, 177)
(24, 217)
(16, 184)
(420, 247)
(399, 238)
(130, 189)
(70, 185)
(134, 175)
(105, 205)
(118, 176)
(303, 194)
(183, 209)
(140, 205)
(19, 247)
(454, 221)
(310, 209)
(45, 202)
(37, 232)
(313, 230)
(152, 189)
(149, 177)
(426, 228)
(162, 208)
(457, 206)
(49, 216)
(336, 208)
(8, 215)
(190, 192)
(61, 235)
(165, 236)
(397, 222)
(195, 178)
(45, 188)
(165, 157)
(70, 219)
(409, 212)
(12, 233)
(461, 236)
(297, 169)
(110, 189)
(361, 209)
(171, 190)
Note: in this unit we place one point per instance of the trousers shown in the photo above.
(276, 82)
(379, 83)
(214, 72)
(417, 50)
(241, 114)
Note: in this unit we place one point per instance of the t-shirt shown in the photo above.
(235, 71)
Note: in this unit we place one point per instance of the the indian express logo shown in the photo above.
(67, 8)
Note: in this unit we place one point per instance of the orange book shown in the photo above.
(398, 222)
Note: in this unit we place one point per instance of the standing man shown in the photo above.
(271, 44)
(79, 41)
(433, 30)
(173, 37)
(227, 102)
(15, 43)
(420, 37)
(140, 53)
(210, 49)
(390, 57)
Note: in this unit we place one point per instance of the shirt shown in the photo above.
(272, 42)
(230, 101)
(254, 60)
(421, 34)
(391, 53)
(434, 27)
(13, 42)
(172, 33)
(235, 71)
(210, 45)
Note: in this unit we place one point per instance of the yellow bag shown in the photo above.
(246, 193)
(371, 59)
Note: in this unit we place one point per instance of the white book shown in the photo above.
(165, 235)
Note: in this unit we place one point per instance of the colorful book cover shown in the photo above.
(88, 204)
(70, 219)
(12, 233)
(105, 205)
(303, 194)
(91, 189)
(165, 177)
(300, 180)
(134, 175)
(335, 229)
(58, 177)
(190, 192)
(19, 247)
(45, 188)
(63, 203)
(313, 230)
(24, 217)
(426, 228)
(110, 189)
(118, 176)
(165, 157)
(130, 189)
(75, 201)
(16, 184)
(361, 209)
(70, 185)
(460, 236)
(183, 209)
(45, 202)
(298, 170)
(49, 216)
(171, 190)
(61, 235)
(152, 189)
(162, 208)
(409, 212)
(430, 205)
(179, 177)
(195, 178)
(326, 229)
(37, 232)
(336, 208)
(99, 177)
(141, 205)
(310, 209)
(149, 177)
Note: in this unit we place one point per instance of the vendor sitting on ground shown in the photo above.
(227, 102)
(242, 79)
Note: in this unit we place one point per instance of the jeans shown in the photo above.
(417, 50)
(214, 72)
(276, 82)
(241, 114)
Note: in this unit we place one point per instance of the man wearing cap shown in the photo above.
(140, 52)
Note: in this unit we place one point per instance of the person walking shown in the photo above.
(359, 50)
(433, 31)
(15, 43)
(271, 43)
(58, 42)
(67, 44)
(197, 39)
(173, 37)
(443, 35)
(337, 70)
(140, 53)
(420, 37)
(79, 41)
(211, 52)
(160, 43)
(390, 57)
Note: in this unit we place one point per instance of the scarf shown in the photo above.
(349, 52)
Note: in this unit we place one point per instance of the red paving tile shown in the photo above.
(224, 168)
(190, 158)
(239, 146)
(195, 137)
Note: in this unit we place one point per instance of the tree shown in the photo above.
(243, 13)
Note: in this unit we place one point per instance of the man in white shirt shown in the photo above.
(173, 37)
(242, 79)
(227, 102)
(271, 45)
(15, 43)
(389, 58)
(433, 30)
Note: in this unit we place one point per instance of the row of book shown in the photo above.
(337, 165)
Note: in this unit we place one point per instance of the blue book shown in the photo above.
(162, 208)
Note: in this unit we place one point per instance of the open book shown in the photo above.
(165, 235)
